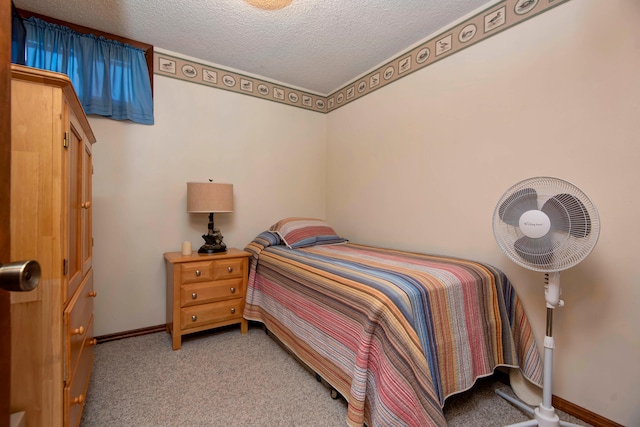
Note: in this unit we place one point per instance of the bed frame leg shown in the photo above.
(333, 391)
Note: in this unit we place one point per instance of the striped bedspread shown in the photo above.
(394, 332)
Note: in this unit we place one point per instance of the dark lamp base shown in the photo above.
(213, 240)
(212, 249)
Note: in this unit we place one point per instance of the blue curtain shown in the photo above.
(110, 78)
(18, 37)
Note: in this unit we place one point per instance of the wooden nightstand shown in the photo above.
(205, 291)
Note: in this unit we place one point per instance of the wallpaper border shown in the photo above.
(484, 24)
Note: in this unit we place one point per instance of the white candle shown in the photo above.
(186, 248)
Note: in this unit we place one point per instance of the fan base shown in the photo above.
(543, 417)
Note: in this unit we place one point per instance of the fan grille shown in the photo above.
(575, 224)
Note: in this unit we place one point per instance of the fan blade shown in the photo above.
(535, 251)
(516, 204)
(567, 213)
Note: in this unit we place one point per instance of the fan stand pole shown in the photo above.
(545, 414)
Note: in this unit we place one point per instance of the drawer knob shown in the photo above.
(194, 318)
(194, 295)
(229, 269)
(233, 310)
(78, 331)
(85, 205)
(93, 342)
(198, 273)
(78, 400)
(233, 290)
(93, 294)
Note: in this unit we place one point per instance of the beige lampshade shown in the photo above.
(207, 197)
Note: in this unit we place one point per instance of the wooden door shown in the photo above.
(5, 189)
(86, 236)
(74, 203)
(79, 252)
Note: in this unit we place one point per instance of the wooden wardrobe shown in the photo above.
(50, 215)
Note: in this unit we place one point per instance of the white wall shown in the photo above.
(274, 156)
(419, 165)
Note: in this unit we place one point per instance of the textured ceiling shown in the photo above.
(315, 45)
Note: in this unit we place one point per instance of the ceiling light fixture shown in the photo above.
(269, 4)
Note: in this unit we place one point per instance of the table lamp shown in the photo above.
(210, 197)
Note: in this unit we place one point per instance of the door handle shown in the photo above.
(21, 276)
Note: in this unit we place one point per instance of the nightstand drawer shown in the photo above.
(228, 268)
(197, 271)
(198, 315)
(206, 292)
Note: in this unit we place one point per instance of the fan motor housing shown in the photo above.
(534, 224)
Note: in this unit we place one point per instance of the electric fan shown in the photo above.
(548, 225)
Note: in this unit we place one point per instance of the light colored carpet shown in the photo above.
(223, 378)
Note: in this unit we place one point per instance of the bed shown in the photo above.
(394, 332)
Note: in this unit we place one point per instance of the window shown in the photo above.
(112, 77)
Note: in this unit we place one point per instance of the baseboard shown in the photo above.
(582, 413)
(129, 334)
(557, 402)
